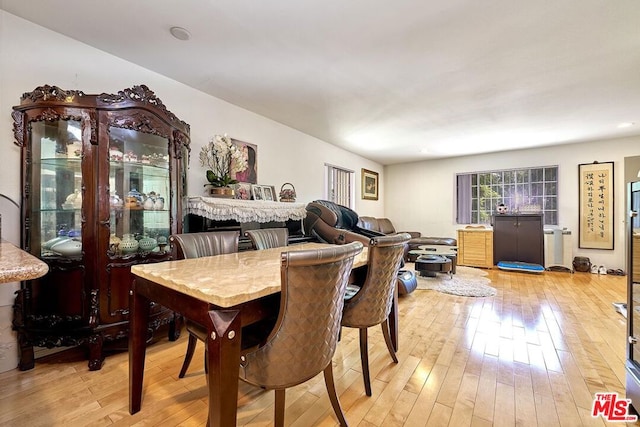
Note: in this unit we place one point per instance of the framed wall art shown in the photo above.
(596, 205)
(369, 185)
(250, 173)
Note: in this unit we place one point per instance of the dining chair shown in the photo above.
(304, 339)
(265, 238)
(369, 303)
(196, 245)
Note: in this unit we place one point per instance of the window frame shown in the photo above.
(337, 191)
(524, 190)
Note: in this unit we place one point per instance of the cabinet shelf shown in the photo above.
(142, 167)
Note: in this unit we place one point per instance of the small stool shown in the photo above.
(431, 265)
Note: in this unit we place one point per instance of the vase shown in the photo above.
(148, 203)
(128, 244)
(114, 243)
(159, 203)
(147, 243)
(224, 192)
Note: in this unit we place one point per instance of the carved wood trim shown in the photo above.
(47, 93)
(141, 94)
(18, 127)
(138, 121)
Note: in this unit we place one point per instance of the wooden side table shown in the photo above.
(475, 247)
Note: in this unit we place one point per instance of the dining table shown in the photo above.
(17, 265)
(223, 293)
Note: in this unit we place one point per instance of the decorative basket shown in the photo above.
(287, 194)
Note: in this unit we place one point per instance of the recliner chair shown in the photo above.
(333, 223)
(337, 224)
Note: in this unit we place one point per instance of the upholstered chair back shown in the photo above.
(196, 245)
(209, 243)
(266, 238)
(304, 339)
(371, 305)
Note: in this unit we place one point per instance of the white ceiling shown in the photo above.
(393, 81)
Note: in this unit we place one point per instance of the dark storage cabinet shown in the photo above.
(518, 238)
(103, 182)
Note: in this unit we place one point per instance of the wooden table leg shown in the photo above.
(138, 321)
(223, 356)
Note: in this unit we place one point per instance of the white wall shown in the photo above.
(32, 56)
(421, 196)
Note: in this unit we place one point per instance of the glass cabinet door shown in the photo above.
(139, 182)
(633, 306)
(56, 204)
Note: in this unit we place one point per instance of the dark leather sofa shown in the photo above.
(385, 226)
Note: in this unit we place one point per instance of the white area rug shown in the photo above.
(467, 282)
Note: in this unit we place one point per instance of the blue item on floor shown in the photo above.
(520, 266)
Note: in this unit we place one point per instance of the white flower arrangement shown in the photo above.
(222, 158)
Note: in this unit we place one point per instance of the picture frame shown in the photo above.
(256, 192)
(596, 201)
(369, 185)
(243, 191)
(269, 192)
(250, 174)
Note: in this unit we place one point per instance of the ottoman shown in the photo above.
(431, 265)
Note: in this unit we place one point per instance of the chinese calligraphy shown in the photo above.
(596, 207)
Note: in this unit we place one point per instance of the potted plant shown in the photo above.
(222, 158)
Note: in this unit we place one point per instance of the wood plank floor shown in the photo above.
(533, 355)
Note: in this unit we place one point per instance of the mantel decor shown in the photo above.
(287, 193)
(245, 210)
(227, 162)
(596, 205)
(263, 192)
(369, 184)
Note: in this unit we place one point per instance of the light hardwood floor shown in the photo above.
(534, 354)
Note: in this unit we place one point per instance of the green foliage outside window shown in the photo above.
(521, 190)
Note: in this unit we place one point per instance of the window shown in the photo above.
(521, 190)
(340, 188)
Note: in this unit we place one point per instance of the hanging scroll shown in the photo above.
(596, 205)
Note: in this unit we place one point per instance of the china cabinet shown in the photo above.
(103, 183)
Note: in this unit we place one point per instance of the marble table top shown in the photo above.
(230, 279)
(17, 265)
